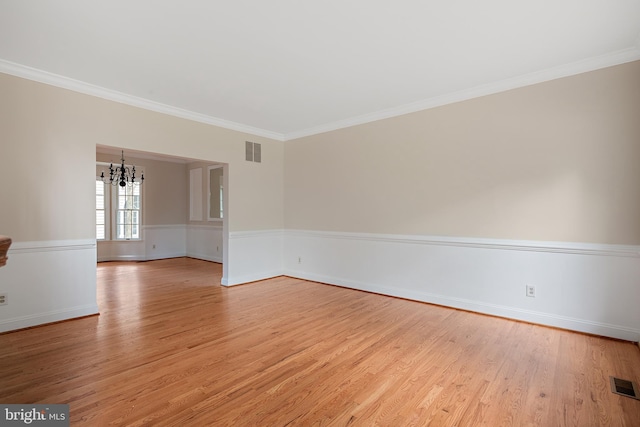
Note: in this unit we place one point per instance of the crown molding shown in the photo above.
(583, 66)
(57, 80)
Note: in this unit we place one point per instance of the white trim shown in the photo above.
(46, 77)
(142, 258)
(48, 317)
(581, 325)
(170, 238)
(583, 66)
(204, 257)
(164, 227)
(248, 278)
(255, 233)
(122, 258)
(210, 226)
(49, 281)
(51, 245)
(205, 241)
(590, 64)
(584, 287)
(253, 255)
(596, 249)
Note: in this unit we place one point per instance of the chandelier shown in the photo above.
(121, 175)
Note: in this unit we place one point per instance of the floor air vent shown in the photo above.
(624, 388)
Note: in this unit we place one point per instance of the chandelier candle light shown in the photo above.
(121, 175)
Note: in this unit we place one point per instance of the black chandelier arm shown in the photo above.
(121, 175)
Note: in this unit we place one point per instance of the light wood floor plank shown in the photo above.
(172, 347)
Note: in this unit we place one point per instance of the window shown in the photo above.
(126, 218)
(128, 212)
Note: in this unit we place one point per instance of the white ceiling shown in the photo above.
(288, 68)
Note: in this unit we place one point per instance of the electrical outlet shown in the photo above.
(299, 260)
(531, 291)
(4, 299)
(154, 246)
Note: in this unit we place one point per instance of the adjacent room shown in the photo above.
(352, 213)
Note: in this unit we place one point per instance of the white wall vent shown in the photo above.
(253, 152)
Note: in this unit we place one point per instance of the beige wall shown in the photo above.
(48, 138)
(553, 161)
(46, 158)
(557, 161)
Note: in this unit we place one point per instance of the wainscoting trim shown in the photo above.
(255, 233)
(47, 282)
(473, 242)
(563, 322)
(584, 287)
(51, 245)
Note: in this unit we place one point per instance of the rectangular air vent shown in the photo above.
(624, 388)
(257, 153)
(253, 152)
(248, 146)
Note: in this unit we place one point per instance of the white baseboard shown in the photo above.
(545, 319)
(205, 242)
(205, 257)
(588, 288)
(166, 241)
(254, 255)
(141, 258)
(47, 282)
(248, 278)
(22, 322)
(583, 287)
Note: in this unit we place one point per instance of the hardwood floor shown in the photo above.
(172, 347)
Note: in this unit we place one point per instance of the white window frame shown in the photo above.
(115, 195)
